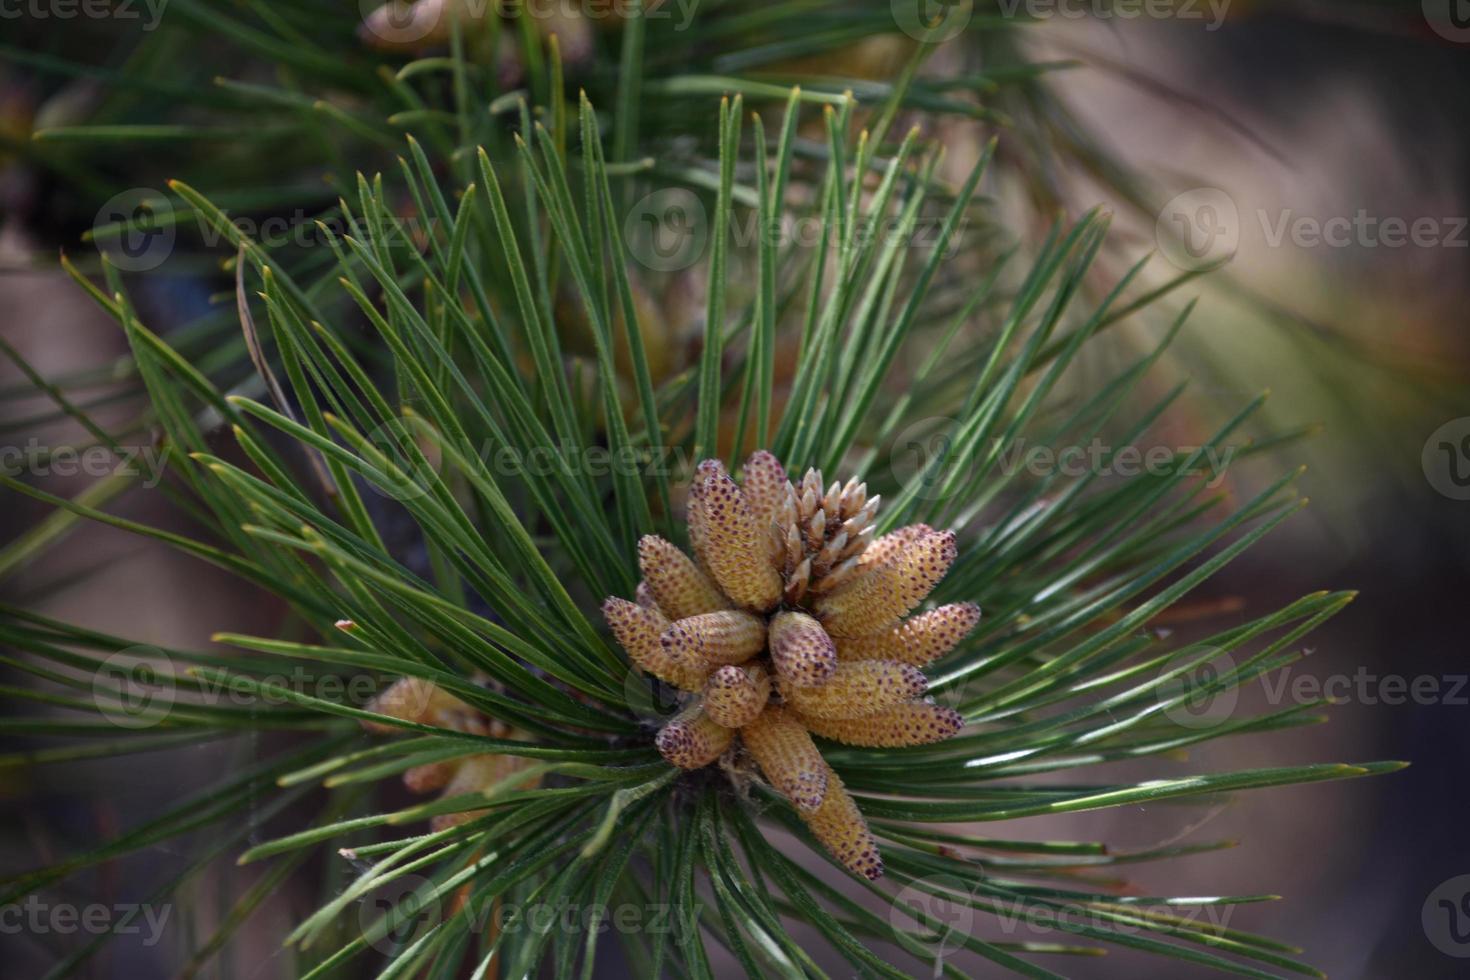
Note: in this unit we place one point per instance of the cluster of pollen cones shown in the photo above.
(788, 622)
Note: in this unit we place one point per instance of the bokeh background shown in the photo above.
(1278, 116)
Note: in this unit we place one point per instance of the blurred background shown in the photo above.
(1324, 149)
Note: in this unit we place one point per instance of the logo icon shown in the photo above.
(135, 229)
(1446, 459)
(1450, 19)
(935, 911)
(932, 21)
(411, 447)
(1198, 228)
(134, 688)
(923, 458)
(1195, 698)
(398, 22)
(956, 693)
(398, 913)
(1446, 917)
(667, 230)
(649, 699)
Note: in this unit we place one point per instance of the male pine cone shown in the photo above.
(790, 621)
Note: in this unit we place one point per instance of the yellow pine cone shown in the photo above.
(801, 650)
(892, 544)
(475, 774)
(857, 688)
(692, 739)
(413, 699)
(764, 483)
(728, 637)
(788, 622)
(675, 583)
(428, 777)
(640, 632)
(734, 546)
(734, 696)
(417, 700)
(912, 723)
(788, 757)
(884, 594)
(839, 825)
(919, 640)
